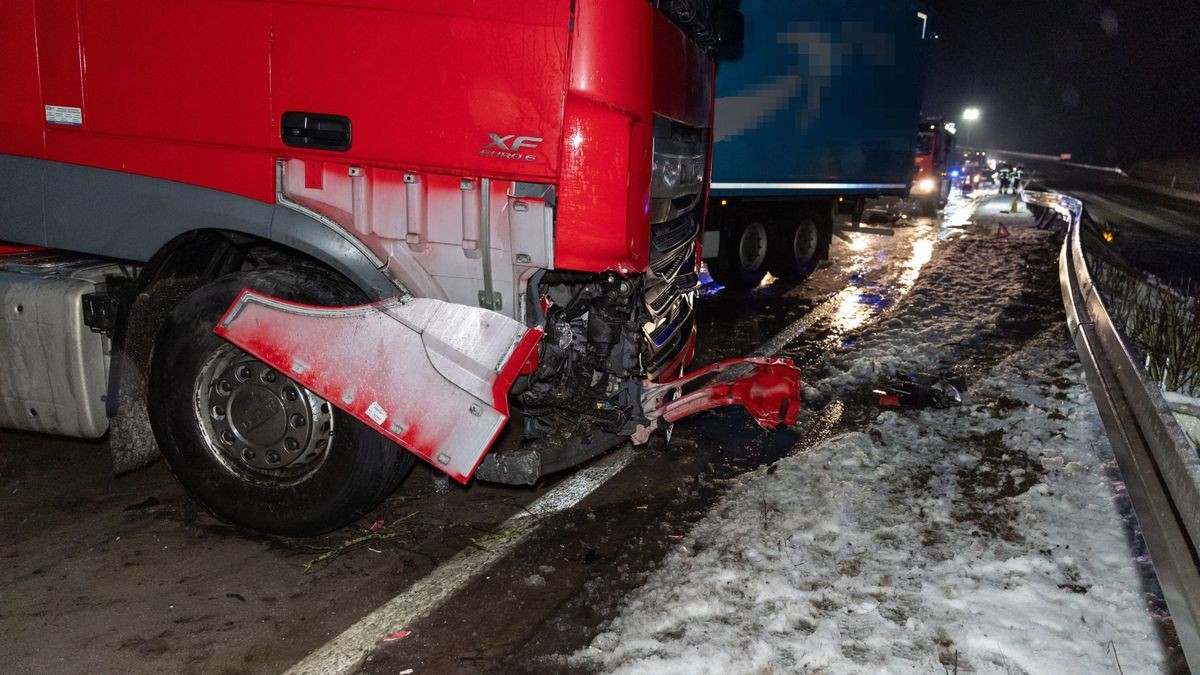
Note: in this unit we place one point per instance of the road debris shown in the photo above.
(919, 390)
(374, 534)
(396, 637)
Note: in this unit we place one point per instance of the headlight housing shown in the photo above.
(677, 177)
(925, 186)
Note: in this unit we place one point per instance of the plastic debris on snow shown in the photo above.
(919, 390)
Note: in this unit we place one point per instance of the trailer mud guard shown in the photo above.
(429, 375)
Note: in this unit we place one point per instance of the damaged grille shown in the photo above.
(680, 161)
(670, 277)
(668, 236)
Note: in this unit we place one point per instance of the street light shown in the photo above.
(970, 115)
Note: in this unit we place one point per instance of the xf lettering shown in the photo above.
(511, 147)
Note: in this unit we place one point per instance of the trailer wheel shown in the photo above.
(251, 445)
(795, 252)
(744, 255)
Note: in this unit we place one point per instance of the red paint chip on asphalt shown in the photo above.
(398, 635)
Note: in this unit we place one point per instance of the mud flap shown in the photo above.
(429, 375)
(769, 389)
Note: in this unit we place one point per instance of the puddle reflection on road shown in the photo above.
(959, 212)
(862, 301)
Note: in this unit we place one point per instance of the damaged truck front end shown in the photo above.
(593, 346)
(414, 233)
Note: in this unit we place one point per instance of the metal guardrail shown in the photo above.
(1160, 466)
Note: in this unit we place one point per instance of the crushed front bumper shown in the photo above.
(434, 377)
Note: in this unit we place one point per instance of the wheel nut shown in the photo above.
(291, 394)
(291, 444)
(227, 437)
(244, 373)
(297, 421)
(217, 412)
(273, 457)
(223, 387)
(268, 376)
(248, 454)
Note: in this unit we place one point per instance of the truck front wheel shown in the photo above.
(742, 260)
(254, 447)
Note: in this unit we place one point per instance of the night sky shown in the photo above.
(1109, 81)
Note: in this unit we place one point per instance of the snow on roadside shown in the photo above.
(1189, 422)
(986, 538)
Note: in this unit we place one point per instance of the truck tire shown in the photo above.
(255, 448)
(796, 249)
(742, 260)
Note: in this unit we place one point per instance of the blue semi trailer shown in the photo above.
(816, 113)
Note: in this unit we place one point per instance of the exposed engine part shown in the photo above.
(588, 367)
(607, 333)
(604, 335)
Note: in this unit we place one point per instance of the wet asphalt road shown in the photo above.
(1153, 230)
(106, 574)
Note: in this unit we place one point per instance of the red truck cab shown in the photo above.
(316, 231)
(935, 147)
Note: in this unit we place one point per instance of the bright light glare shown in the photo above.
(922, 253)
(971, 114)
(926, 185)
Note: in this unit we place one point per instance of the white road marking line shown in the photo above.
(346, 652)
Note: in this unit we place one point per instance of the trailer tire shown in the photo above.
(796, 249)
(744, 255)
(309, 468)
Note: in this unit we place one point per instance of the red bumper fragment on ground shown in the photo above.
(430, 375)
(769, 389)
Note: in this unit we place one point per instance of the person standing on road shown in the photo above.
(1004, 177)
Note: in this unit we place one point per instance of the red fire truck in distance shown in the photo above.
(931, 167)
(278, 241)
